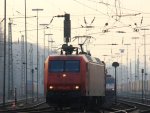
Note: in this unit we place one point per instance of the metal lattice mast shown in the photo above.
(10, 62)
(22, 66)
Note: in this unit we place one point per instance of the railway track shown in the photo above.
(141, 108)
(121, 106)
(19, 102)
(23, 108)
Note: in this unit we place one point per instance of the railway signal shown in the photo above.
(115, 64)
(67, 27)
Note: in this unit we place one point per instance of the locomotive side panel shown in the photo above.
(96, 80)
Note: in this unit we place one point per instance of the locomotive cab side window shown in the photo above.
(64, 66)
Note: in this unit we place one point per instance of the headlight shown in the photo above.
(64, 75)
(76, 87)
(51, 87)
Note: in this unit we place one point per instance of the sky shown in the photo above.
(112, 16)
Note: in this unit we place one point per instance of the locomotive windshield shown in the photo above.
(73, 66)
(56, 66)
(64, 66)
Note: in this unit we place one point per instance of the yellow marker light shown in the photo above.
(76, 87)
(50, 87)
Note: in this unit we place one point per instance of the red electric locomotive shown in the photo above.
(73, 79)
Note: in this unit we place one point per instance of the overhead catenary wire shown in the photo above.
(121, 15)
(72, 28)
(122, 8)
(1, 20)
(99, 12)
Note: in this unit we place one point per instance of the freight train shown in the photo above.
(74, 78)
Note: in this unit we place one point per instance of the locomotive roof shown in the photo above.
(86, 57)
